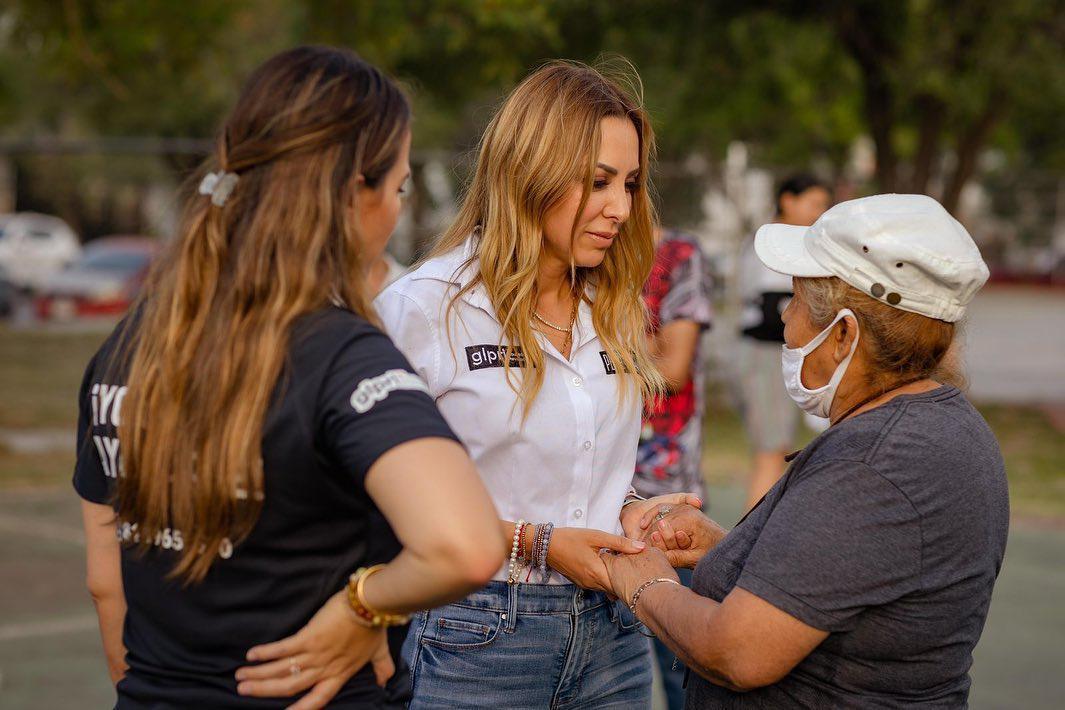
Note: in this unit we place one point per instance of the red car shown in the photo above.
(103, 281)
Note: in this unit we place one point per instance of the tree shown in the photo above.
(938, 78)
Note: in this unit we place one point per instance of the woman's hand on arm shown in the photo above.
(742, 643)
(103, 557)
(574, 553)
(431, 495)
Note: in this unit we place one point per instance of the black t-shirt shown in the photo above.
(346, 397)
(888, 532)
(769, 326)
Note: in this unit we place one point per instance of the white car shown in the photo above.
(35, 246)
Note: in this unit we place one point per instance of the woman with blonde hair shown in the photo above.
(527, 323)
(274, 477)
(864, 576)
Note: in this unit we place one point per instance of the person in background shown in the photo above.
(266, 485)
(677, 294)
(769, 416)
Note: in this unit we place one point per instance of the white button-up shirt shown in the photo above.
(572, 461)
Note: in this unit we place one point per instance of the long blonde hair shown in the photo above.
(206, 352)
(543, 139)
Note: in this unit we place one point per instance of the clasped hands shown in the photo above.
(675, 533)
(675, 525)
(672, 523)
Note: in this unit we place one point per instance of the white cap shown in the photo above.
(904, 250)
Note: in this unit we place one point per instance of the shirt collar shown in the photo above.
(459, 267)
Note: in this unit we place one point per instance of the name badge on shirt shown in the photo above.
(478, 357)
(607, 364)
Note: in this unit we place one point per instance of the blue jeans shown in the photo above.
(529, 646)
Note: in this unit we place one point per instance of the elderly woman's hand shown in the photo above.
(682, 532)
(633, 513)
(628, 572)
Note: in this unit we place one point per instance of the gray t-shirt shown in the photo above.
(888, 532)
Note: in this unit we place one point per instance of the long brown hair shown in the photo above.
(212, 335)
(543, 139)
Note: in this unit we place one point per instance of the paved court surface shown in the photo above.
(50, 653)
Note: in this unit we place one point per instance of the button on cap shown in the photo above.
(587, 446)
(578, 513)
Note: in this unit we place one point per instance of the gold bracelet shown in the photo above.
(364, 611)
(645, 585)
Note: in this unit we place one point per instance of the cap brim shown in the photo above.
(782, 247)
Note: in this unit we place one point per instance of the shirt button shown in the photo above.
(587, 446)
(578, 513)
(577, 382)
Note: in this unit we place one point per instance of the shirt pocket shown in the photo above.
(462, 628)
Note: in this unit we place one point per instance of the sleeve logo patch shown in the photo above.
(375, 389)
(479, 357)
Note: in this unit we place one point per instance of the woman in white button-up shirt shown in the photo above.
(527, 324)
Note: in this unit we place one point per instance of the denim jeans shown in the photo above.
(531, 646)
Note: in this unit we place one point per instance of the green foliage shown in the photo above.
(792, 78)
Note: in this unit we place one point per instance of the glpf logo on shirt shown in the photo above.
(479, 357)
(374, 389)
(608, 365)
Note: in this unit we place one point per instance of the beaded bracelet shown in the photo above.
(521, 542)
(514, 567)
(542, 558)
(537, 542)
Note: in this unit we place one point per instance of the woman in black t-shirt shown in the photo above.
(256, 459)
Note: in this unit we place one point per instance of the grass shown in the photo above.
(1034, 451)
(40, 372)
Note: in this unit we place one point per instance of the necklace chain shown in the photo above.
(568, 331)
(549, 324)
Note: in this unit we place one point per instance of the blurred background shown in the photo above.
(107, 106)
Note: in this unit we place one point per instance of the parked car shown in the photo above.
(35, 246)
(103, 282)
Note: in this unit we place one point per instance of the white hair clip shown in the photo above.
(218, 185)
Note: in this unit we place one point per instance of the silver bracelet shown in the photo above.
(646, 585)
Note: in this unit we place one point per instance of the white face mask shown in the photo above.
(819, 401)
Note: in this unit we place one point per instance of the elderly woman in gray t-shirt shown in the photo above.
(865, 575)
